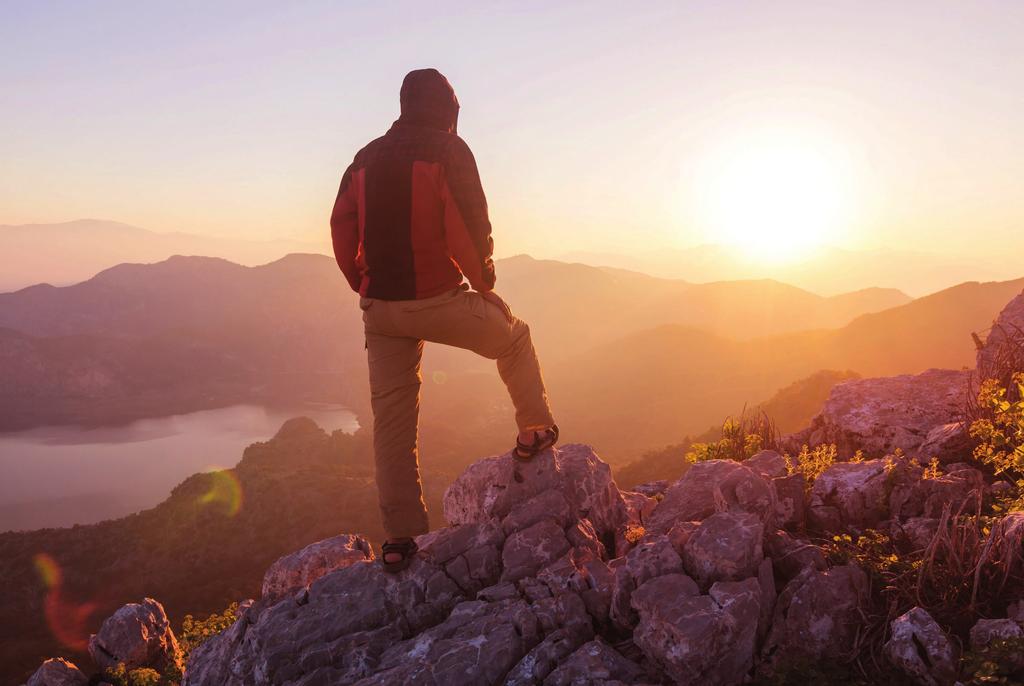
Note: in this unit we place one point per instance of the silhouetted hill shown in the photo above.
(652, 387)
(828, 270)
(69, 252)
(195, 332)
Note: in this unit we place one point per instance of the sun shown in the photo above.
(776, 198)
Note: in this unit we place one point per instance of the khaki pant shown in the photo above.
(395, 332)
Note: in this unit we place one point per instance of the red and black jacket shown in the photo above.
(411, 217)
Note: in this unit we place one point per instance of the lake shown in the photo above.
(64, 475)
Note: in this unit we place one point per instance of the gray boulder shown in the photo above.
(597, 663)
(921, 649)
(712, 486)
(57, 672)
(791, 556)
(493, 487)
(851, 494)
(299, 569)
(138, 635)
(987, 630)
(817, 616)
(882, 414)
(1005, 342)
(698, 639)
(726, 546)
(768, 463)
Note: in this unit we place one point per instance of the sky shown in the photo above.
(595, 127)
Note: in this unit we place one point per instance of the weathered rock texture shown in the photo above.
(1004, 345)
(921, 649)
(296, 571)
(535, 583)
(58, 672)
(137, 635)
(882, 414)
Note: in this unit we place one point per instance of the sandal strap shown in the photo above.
(539, 440)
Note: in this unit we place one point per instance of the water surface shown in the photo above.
(64, 475)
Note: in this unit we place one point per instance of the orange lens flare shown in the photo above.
(68, 621)
(225, 491)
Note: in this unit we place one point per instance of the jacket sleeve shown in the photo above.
(345, 230)
(467, 228)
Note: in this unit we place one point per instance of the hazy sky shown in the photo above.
(595, 127)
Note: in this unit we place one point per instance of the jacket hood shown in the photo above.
(429, 100)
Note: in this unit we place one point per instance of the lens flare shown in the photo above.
(225, 491)
(440, 377)
(68, 621)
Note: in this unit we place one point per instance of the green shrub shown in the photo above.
(195, 632)
(1000, 431)
(121, 676)
(741, 438)
(811, 463)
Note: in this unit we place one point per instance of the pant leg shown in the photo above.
(465, 320)
(394, 364)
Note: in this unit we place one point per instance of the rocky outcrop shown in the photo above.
(919, 648)
(1004, 347)
(817, 617)
(881, 415)
(137, 635)
(712, 486)
(296, 571)
(535, 583)
(58, 672)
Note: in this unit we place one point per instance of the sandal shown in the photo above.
(405, 550)
(541, 442)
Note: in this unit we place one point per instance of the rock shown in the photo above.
(768, 463)
(790, 497)
(595, 662)
(1005, 342)
(919, 531)
(653, 557)
(791, 556)
(544, 658)
(710, 486)
(856, 492)
(987, 630)
(477, 644)
(727, 546)
(947, 443)
(57, 672)
(652, 489)
(698, 639)
(883, 414)
(139, 635)
(638, 506)
(527, 551)
(493, 487)
(299, 569)
(817, 616)
(960, 490)
(549, 504)
(921, 649)
(1001, 489)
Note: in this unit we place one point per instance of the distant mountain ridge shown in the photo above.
(829, 270)
(73, 251)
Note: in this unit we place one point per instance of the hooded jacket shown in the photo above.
(410, 219)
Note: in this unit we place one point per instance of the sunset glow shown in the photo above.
(774, 197)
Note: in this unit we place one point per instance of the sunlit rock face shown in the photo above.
(879, 416)
(137, 635)
(526, 587)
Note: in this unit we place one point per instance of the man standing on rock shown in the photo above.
(409, 223)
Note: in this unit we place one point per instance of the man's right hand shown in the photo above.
(494, 298)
